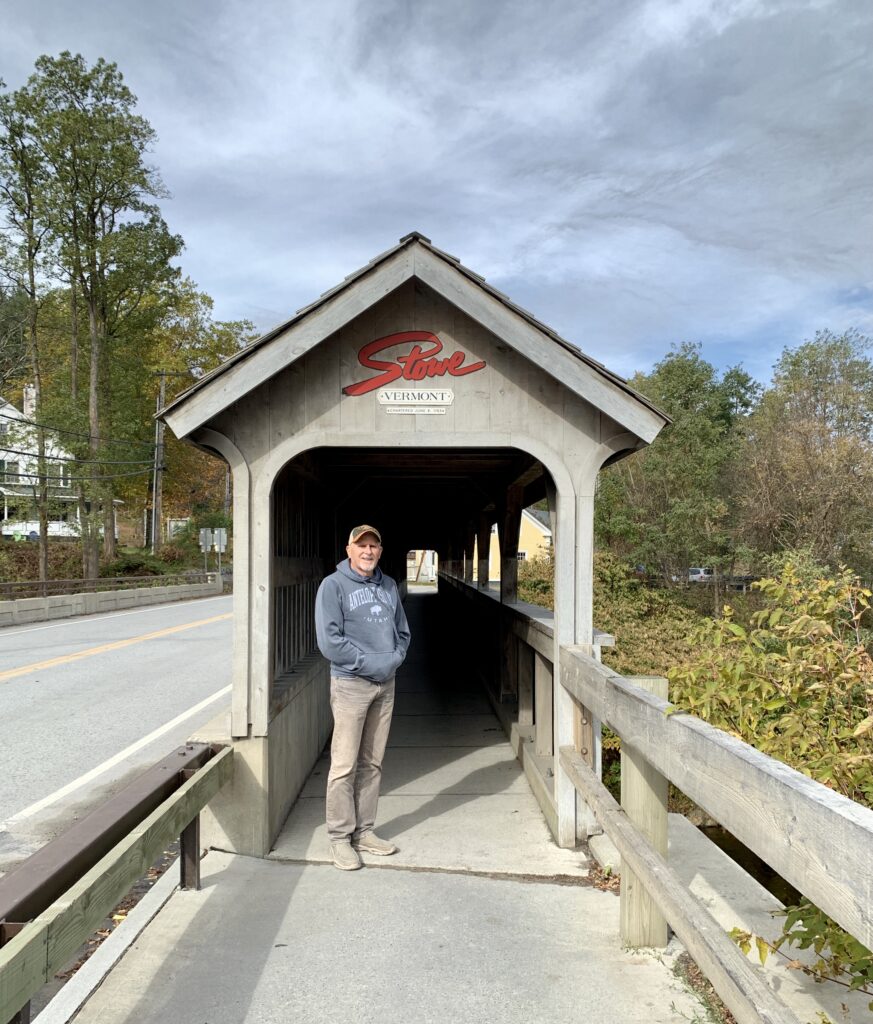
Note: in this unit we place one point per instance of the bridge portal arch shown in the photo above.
(416, 396)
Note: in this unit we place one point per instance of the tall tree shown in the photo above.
(22, 184)
(667, 506)
(13, 325)
(187, 344)
(105, 228)
(808, 458)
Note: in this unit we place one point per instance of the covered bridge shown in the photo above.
(416, 397)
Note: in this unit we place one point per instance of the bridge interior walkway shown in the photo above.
(479, 917)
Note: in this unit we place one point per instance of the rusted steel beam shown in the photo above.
(36, 883)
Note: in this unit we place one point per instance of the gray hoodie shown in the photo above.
(360, 624)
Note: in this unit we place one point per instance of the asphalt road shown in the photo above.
(87, 703)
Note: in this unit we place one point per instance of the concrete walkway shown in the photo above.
(479, 918)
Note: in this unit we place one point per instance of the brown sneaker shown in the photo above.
(369, 842)
(344, 857)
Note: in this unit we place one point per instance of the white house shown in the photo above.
(19, 480)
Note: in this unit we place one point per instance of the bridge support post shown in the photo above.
(644, 799)
(8, 931)
(469, 546)
(563, 514)
(586, 726)
(483, 550)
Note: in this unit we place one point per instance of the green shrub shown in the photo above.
(134, 563)
(797, 683)
(536, 581)
(20, 560)
(653, 630)
(185, 543)
(176, 555)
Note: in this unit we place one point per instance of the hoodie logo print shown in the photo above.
(370, 595)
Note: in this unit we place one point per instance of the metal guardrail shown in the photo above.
(55, 899)
(56, 588)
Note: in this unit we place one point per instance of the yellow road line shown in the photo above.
(117, 645)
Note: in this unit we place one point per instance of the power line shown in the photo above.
(72, 458)
(76, 433)
(77, 479)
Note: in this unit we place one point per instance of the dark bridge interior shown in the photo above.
(435, 498)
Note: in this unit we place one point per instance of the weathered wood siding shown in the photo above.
(510, 398)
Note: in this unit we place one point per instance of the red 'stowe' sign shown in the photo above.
(416, 364)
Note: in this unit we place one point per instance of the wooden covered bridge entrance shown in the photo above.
(416, 397)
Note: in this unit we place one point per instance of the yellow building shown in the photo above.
(534, 539)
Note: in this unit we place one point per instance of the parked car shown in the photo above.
(697, 574)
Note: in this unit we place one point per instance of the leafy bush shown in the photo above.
(798, 684)
(653, 629)
(20, 560)
(838, 957)
(536, 581)
(176, 555)
(134, 563)
(185, 544)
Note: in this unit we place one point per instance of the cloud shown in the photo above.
(635, 173)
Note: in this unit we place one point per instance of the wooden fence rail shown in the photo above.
(818, 840)
(742, 990)
(44, 945)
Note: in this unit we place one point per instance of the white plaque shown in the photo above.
(415, 401)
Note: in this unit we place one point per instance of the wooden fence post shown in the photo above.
(524, 661)
(544, 684)
(644, 800)
(508, 682)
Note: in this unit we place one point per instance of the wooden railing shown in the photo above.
(39, 930)
(816, 839)
(517, 668)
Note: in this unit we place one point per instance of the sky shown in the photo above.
(636, 173)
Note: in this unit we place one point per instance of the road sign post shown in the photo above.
(205, 545)
(219, 543)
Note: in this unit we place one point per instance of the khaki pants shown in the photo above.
(362, 718)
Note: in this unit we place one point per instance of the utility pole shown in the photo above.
(159, 469)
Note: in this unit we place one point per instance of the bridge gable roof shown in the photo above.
(413, 257)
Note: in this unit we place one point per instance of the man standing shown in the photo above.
(362, 631)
